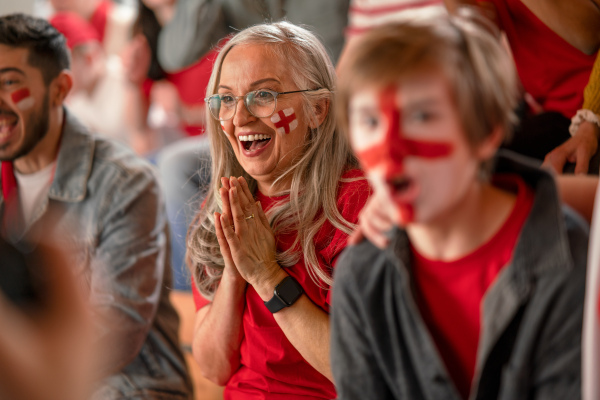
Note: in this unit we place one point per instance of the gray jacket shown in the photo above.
(105, 206)
(530, 342)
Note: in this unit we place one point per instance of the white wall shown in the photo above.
(11, 6)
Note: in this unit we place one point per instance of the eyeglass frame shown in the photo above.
(245, 96)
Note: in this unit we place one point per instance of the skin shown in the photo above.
(248, 245)
(454, 211)
(576, 22)
(23, 138)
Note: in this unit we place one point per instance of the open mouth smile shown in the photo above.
(253, 143)
(8, 121)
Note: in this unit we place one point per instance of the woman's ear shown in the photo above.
(321, 108)
(488, 147)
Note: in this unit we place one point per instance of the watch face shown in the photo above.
(289, 290)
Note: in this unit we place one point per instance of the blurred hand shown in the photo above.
(373, 222)
(579, 150)
(45, 353)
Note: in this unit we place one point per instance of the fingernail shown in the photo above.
(258, 204)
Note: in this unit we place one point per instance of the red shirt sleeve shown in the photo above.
(199, 300)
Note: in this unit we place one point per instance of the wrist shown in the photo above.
(265, 286)
(585, 117)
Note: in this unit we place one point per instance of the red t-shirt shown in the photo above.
(271, 368)
(190, 83)
(551, 70)
(449, 294)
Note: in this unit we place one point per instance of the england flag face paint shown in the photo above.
(22, 99)
(410, 140)
(285, 121)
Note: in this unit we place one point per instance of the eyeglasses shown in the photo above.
(260, 103)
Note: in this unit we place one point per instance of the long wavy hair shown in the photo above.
(315, 175)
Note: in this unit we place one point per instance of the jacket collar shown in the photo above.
(74, 162)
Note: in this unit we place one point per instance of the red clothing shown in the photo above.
(190, 83)
(99, 18)
(449, 294)
(271, 368)
(551, 70)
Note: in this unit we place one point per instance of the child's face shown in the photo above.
(411, 143)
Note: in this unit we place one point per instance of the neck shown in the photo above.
(44, 153)
(270, 187)
(466, 227)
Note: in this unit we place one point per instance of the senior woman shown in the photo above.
(263, 247)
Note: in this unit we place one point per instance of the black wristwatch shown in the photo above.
(285, 294)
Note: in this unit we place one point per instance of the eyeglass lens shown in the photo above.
(260, 103)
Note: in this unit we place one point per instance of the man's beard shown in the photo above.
(36, 129)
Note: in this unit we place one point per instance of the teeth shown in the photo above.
(251, 138)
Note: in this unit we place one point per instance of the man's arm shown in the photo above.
(128, 267)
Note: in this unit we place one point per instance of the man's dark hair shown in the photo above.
(47, 47)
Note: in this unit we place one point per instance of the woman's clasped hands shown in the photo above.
(244, 234)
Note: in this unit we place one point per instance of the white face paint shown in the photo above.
(285, 120)
(22, 99)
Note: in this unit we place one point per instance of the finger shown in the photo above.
(375, 236)
(224, 193)
(246, 202)
(221, 238)
(230, 234)
(245, 188)
(225, 183)
(583, 162)
(355, 237)
(239, 218)
(378, 219)
(262, 216)
(555, 161)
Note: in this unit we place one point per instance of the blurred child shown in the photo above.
(479, 293)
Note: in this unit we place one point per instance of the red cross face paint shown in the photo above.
(285, 120)
(410, 141)
(22, 99)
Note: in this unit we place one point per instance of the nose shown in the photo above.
(242, 116)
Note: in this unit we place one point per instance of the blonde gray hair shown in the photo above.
(465, 46)
(314, 176)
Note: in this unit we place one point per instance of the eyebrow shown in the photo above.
(421, 102)
(253, 84)
(11, 69)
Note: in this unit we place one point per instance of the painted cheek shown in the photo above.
(22, 99)
(390, 152)
(285, 120)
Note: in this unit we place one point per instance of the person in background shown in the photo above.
(286, 192)
(112, 21)
(479, 292)
(553, 71)
(184, 163)
(101, 203)
(99, 90)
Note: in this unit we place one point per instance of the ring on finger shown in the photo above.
(250, 216)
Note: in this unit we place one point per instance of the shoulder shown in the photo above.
(360, 268)
(353, 193)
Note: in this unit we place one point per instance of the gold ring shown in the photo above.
(250, 217)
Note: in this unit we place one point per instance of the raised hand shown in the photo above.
(249, 237)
